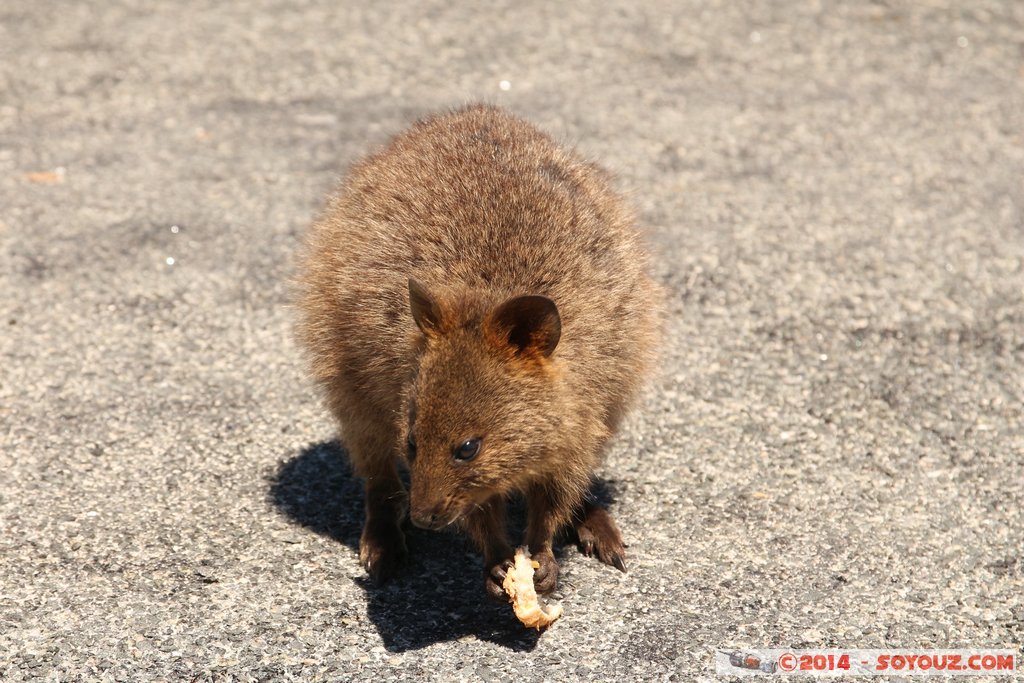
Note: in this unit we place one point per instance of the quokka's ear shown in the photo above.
(425, 309)
(529, 325)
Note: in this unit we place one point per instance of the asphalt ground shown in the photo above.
(832, 454)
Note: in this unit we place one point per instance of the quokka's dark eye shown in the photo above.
(467, 450)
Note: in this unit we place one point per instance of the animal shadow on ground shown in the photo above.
(440, 594)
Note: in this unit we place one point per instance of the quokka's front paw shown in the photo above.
(494, 577)
(545, 577)
(382, 551)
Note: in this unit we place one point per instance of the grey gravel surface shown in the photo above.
(832, 454)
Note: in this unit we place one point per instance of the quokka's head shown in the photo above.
(482, 414)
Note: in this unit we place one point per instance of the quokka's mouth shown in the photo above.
(437, 521)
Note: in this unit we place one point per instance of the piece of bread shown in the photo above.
(518, 584)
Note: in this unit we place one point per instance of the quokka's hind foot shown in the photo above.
(599, 536)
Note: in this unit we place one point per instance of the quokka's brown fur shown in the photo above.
(474, 280)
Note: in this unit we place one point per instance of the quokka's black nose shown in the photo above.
(426, 519)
